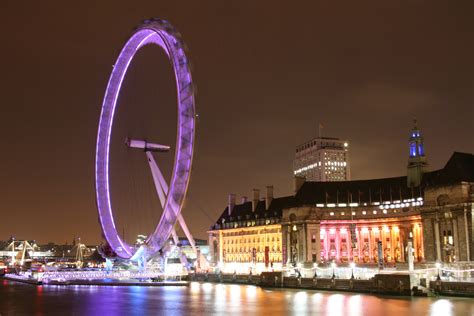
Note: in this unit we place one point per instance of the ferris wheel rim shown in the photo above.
(162, 34)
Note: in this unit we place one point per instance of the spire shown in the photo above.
(417, 164)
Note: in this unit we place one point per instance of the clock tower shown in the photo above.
(417, 164)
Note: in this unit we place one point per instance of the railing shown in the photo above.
(94, 275)
(456, 272)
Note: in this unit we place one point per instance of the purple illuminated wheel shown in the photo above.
(161, 33)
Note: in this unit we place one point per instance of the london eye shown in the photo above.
(172, 196)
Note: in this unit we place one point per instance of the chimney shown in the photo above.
(231, 203)
(244, 200)
(269, 196)
(298, 182)
(256, 197)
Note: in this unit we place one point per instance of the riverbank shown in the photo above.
(381, 284)
(103, 282)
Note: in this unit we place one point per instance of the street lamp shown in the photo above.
(333, 265)
(438, 265)
(299, 266)
(352, 270)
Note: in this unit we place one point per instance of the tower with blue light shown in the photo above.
(417, 164)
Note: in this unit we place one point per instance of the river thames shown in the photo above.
(214, 299)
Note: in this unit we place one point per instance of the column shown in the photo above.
(418, 234)
(454, 222)
(348, 245)
(371, 255)
(326, 244)
(429, 246)
(221, 255)
(389, 244)
(397, 242)
(437, 241)
(302, 246)
(338, 246)
(318, 241)
(401, 236)
(287, 244)
(415, 242)
(357, 231)
(382, 239)
(309, 242)
(466, 230)
(302, 250)
(392, 243)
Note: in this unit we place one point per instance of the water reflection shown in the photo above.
(208, 298)
(300, 302)
(354, 305)
(335, 304)
(441, 307)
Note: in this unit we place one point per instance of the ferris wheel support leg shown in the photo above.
(162, 190)
(186, 231)
(202, 262)
(182, 256)
(175, 237)
(160, 184)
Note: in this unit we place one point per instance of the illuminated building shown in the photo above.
(249, 235)
(323, 159)
(429, 213)
(344, 221)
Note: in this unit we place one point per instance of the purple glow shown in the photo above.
(158, 33)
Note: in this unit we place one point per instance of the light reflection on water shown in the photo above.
(441, 307)
(208, 298)
(354, 305)
(335, 303)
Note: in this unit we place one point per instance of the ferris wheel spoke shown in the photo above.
(160, 183)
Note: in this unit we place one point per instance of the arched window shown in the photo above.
(413, 149)
(420, 150)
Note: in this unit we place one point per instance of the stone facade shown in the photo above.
(448, 214)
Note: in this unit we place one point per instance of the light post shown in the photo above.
(298, 272)
(352, 270)
(333, 265)
(438, 266)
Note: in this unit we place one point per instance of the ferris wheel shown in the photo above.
(161, 33)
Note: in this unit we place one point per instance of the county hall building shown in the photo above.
(345, 221)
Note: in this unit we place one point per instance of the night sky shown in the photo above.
(267, 72)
